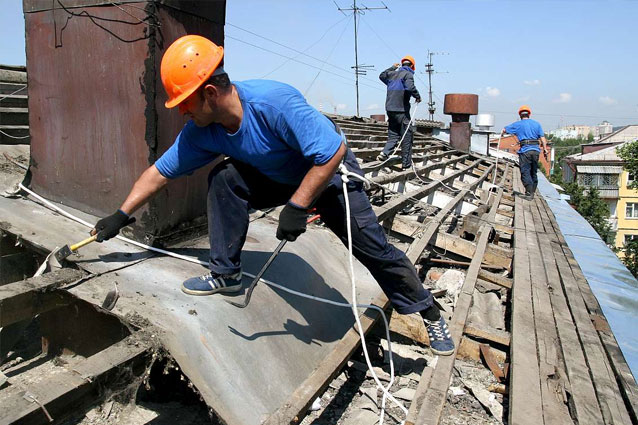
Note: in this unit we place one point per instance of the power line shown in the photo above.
(307, 48)
(292, 48)
(295, 60)
(329, 54)
(570, 116)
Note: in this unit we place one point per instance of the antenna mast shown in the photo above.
(358, 69)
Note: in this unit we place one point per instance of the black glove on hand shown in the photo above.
(292, 222)
(110, 226)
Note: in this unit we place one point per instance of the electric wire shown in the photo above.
(296, 50)
(329, 54)
(298, 61)
(306, 49)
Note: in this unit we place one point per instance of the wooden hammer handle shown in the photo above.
(82, 243)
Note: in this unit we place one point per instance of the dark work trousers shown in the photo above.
(397, 124)
(235, 187)
(528, 162)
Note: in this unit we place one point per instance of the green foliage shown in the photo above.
(590, 137)
(631, 256)
(562, 148)
(629, 154)
(593, 209)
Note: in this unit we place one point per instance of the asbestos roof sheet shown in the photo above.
(599, 169)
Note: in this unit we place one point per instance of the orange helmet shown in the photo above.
(409, 58)
(186, 65)
(524, 108)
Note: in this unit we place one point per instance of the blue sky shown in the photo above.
(571, 61)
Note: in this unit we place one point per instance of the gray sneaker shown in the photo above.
(209, 284)
(382, 157)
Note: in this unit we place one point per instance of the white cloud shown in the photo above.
(341, 106)
(372, 106)
(563, 98)
(532, 82)
(606, 100)
(492, 91)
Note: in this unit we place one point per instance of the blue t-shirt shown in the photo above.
(280, 135)
(526, 129)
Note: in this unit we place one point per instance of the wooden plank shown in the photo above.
(26, 298)
(487, 333)
(607, 391)
(627, 383)
(495, 255)
(555, 409)
(525, 393)
(495, 278)
(304, 395)
(82, 385)
(583, 397)
(491, 362)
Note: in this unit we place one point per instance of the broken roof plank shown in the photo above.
(436, 394)
(408, 174)
(419, 244)
(402, 201)
(65, 390)
(27, 298)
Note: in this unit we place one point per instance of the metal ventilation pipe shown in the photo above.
(460, 106)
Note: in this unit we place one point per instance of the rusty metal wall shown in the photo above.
(96, 100)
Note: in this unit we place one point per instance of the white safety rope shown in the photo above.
(386, 390)
(407, 128)
(344, 177)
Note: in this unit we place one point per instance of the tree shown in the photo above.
(629, 154)
(590, 137)
(593, 209)
(596, 212)
(631, 256)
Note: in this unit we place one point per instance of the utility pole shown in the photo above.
(429, 68)
(358, 69)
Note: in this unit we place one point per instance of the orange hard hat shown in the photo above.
(409, 58)
(186, 65)
(524, 108)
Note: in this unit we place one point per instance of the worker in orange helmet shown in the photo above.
(400, 88)
(530, 136)
(280, 151)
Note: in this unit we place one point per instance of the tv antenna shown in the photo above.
(359, 69)
(429, 69)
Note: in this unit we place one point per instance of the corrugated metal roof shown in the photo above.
(599, 169)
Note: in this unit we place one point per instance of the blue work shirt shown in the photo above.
(280, 135)
(526, 129)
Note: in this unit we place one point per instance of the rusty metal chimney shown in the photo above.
(460, 106)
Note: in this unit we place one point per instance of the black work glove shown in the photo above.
(110, 226)
(292, 222)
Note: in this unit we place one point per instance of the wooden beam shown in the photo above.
(496, 278)
(27, 298)
(408, 174)
(487, 333)
(400, 202)
(82, 384)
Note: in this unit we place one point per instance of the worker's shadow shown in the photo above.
(325, 322)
